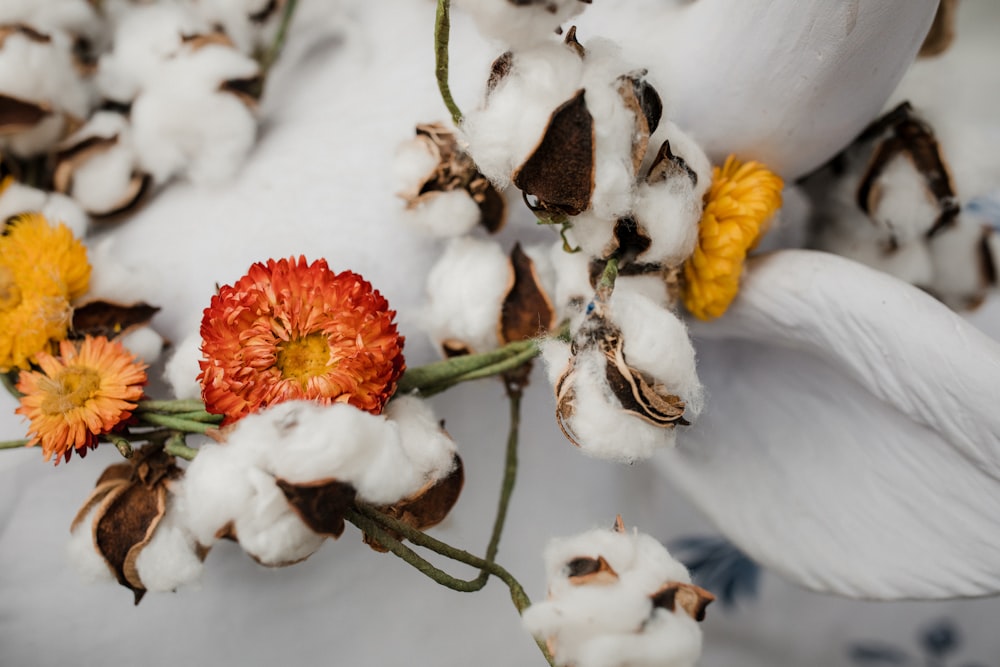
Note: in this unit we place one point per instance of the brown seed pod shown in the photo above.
(320, 504)
(692, 599)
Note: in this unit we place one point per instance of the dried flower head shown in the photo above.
(85, 392)
(293, 330)
(739, 205)
(42, 269)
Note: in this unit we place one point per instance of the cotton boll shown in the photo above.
(540, 255)
(183, 125)
(169, 560)
(214, 489)
(101, 180)
(145, 37)
(269, 529)
(657, 343)
(465, 290)
(521, 24)
(56, 208)
(597, 422)
(594, 234)
(62, 209)
(445, 214)
(685, 147)
(182, 368)
(856, 238)
(414, 161)
(144, 343)
(503, 133)
(83, 555)
(42, 73)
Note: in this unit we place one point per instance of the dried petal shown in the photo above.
(560, 171)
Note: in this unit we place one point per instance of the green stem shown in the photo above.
(270, 56)
(606, 285)
(175, 446)
(445, 371)
(188, 405)
(13, 444)
(185, 425)
(199, 416)
(509, 477)
(123, 445)
(442, 31)
(498, 368)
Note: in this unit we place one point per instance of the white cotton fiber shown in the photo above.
(957, 260)
(170, 559)
(83, 555)
(112, 276)
(235, 19)
(145, 38)
(668, 640)
(521, 25)
(572, 281)
(428, 448)
(183, 125)
(182, 368)
(901, 203)
(503, 133)
(614, 130)
(684, 146)
(269, 529)
(668, 213)
(465, 291)
(214, 489)
(444, 214)
(144, 343)
(74, 16)
(414, 162)
(594, 234)
(56, 208)
(657, 343)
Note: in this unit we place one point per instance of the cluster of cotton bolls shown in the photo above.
(122, 96)
(617, 599)
(581, 134)
(279, 485)
(889, 201)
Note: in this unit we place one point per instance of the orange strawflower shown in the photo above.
(87, 391)
(292, 330)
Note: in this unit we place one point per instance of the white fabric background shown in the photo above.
(318, 184)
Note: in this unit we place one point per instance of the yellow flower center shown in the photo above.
(71, 388)
(304, 358)
(10, 293)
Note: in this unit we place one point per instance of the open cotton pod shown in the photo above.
(97, 167)
(521, 23)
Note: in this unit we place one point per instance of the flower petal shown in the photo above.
(867, 461)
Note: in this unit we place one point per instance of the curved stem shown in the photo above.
(183, 405)
(178, 424)
(514, 395)
(442, 32)
(176, 446)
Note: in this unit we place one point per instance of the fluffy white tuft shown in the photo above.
(212, 492)
(170, 559)
(56, 208)
(83, 555)
(103, 182)
(144, 343)
(445, 214)
(465, 291)
(113, 278)
(182, 368)
(521, 25)
(428, 447)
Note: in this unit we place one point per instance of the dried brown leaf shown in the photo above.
(103, 318)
